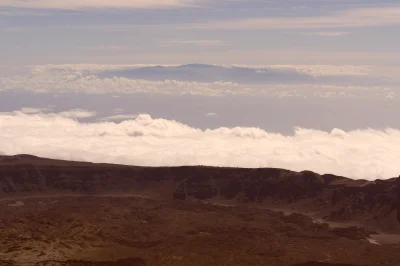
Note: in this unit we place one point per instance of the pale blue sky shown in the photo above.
(356, 32)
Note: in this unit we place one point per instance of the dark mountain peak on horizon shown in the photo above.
(197, 65)
(208, 73)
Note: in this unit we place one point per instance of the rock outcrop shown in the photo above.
(328, 197)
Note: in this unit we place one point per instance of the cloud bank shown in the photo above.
(195, 79)
(145, 141)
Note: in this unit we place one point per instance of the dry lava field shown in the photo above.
(71, 213)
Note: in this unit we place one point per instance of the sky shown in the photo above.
(239, 81)
(255, 32)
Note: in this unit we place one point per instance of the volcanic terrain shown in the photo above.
(55, 212)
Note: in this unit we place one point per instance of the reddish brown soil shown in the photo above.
(70, 213)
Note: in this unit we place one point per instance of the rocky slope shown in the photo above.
(73, 213)
(328, 197)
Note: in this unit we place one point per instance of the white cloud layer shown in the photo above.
(74, 113)
(29, 110)
(77, 113)
(328, 70)
(85, 79)
(91, 84)
(368, 154)
(119, 117)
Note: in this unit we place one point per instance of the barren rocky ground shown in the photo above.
(70, 213)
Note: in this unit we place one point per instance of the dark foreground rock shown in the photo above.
(72, 213)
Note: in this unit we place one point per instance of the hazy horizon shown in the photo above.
(244, 83)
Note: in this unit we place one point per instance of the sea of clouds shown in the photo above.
(145, 141)
(198, 80)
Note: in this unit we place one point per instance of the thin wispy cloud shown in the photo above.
(210, 114)
(82, 4)
(114, 48)
(325, 33)
(349, 18)
(172, 43)
(12, 12)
